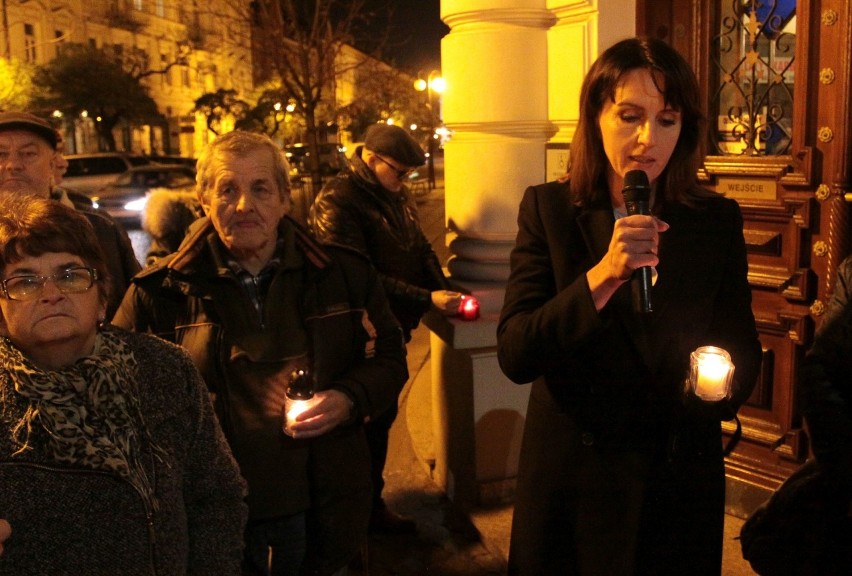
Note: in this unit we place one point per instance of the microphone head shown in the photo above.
(636, 179)
(636, 186)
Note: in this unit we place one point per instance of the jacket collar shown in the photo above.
(366, 179)
(202, 239)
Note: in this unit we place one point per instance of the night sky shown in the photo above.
(415, 33)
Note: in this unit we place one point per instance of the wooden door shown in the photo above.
(775, 77)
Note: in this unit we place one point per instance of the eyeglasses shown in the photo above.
(401, 173)
(71, 281)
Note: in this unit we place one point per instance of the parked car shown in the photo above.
(331, 159)
(89, 172)
(125, 198)
(185, 160)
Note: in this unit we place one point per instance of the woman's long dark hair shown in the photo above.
(679, 87)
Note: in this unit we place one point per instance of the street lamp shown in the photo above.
(433, 84)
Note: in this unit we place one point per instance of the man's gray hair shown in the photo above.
(241, 143)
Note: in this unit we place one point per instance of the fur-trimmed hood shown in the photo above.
(169, 212)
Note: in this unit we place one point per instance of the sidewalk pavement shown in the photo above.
(449, 542)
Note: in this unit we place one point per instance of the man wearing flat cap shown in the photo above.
(28, 159)
(367, 206)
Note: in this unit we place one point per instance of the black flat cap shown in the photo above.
(30, 123)
(395, 142)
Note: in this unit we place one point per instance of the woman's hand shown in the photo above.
(634, 244)
(5, 532)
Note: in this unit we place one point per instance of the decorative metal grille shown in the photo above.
(753, 56)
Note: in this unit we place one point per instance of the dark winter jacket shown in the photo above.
(71, 520)
(824, 385)
(121, 262)
(354, 210)
(825, 391)
(824, 395)
(326, 303)
(840, 296)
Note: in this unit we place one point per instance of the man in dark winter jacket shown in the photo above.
(28, 163)
(255, 300)
(368, 207)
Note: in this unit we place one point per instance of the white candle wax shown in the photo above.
(293, 408)
(712, 376)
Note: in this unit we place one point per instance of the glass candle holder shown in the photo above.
(711, 373)
(469, 308)
(298, 398)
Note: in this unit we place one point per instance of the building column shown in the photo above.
(513, 75)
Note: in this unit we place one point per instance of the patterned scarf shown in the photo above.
(89, 410)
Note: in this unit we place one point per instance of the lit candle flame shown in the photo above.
(713, 371)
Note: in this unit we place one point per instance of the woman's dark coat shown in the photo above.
(619, 474)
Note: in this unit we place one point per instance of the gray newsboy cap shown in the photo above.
(30, 123)
(395, 142)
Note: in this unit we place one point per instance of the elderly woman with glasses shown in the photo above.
(111, 460)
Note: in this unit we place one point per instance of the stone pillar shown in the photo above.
(513, 70)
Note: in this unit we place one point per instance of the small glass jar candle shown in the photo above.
(710, 373)
(298, 398)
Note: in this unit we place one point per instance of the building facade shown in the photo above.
(185, 48)
(782, 151)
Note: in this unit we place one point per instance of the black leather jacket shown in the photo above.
(354, 210)
(842, 288)
(825, 386)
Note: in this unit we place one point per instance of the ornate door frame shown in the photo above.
(794, 202)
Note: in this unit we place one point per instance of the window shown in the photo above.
(59, 39)
(29, 43)
(754, 53)
(167, 74)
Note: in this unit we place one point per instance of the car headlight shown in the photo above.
(136, 205)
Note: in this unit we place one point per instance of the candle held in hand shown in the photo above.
(711, 371)
(469, 309)
(299, 397)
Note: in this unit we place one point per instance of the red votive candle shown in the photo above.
(469, 309)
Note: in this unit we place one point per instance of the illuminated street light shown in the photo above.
(438, 84)
(433, 84)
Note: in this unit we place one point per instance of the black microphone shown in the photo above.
(637, 193)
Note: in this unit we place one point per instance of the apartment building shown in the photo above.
(199, 45)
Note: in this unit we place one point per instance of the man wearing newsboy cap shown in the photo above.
(28, 157)
(368, 207)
